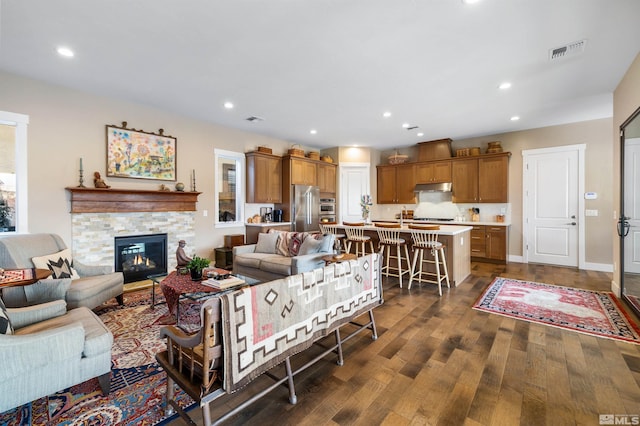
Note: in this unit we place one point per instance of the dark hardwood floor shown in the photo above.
(439, 362)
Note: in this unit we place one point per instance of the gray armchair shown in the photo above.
(52, 349)
(96, 284)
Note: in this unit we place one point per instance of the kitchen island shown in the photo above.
(456, 239)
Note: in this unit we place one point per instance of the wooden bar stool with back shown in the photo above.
(424, 239)
(389, 237)
(355, 234)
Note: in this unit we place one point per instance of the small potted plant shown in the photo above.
(196, 265)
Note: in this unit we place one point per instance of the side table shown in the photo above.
(155, 279)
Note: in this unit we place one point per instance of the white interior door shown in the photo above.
(354, 182)
(632, 205)
(551, 205)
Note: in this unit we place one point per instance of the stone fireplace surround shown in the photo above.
(99, 215)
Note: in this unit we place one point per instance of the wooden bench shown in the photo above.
(263, 326)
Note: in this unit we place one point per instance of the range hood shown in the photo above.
(433, 187)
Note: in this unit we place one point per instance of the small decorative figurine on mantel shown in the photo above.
(98, 182)
(181, 257)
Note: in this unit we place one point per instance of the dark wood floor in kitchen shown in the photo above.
(437, 361)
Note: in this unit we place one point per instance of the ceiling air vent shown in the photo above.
(254, 118)
(571, 49)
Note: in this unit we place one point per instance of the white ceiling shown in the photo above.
(334, 65)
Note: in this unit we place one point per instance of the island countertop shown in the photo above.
(456, 239)
(452, 222)
(444, 229)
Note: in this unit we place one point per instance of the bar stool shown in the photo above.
(388, 237)
(332, 228)
(355, 234)
(425, 239)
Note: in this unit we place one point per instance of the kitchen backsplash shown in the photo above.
(439, 205)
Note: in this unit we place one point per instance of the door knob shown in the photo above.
(571, 223)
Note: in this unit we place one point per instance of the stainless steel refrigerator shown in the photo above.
(305, 208)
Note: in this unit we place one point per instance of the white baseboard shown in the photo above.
(602, 267)
(615, 288)
(515, 259)
(589, 266)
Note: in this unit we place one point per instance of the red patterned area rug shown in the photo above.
(590, 312)
(137, 382)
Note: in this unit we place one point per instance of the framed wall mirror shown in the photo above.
(629, 222)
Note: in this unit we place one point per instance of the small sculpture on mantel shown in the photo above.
(181, 257)
(98, 182)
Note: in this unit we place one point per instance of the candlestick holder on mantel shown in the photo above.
(81, 185)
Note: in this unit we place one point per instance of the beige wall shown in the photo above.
(66, 125)
(626, 99)
(596, 135)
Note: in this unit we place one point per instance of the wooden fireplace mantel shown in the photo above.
(100, 200)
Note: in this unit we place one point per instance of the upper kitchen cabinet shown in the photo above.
(433, 172)
(493, 179)
(264, 178)
(396, 184)
(327, 177)
(481, 180)
(303, 170)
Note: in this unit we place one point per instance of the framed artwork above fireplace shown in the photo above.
(137, 154)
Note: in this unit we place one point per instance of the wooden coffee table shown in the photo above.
(333, 258)
(21, 277)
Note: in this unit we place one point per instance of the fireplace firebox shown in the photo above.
(138, 256)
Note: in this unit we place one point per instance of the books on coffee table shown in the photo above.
(225, 283)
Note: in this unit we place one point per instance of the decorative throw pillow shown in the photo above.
(310, 246)
(327, 243)
(267, 243)
(58, 263)
(296, 242)
(5, 324)
(283, 243)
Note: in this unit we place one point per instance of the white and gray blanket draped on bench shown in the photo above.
(264, 324)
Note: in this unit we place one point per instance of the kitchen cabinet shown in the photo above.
(478, 243)
(464, 180)
(481, 180)
(264, 178)
(303, 171)
(433, 172)
(327, 177)
(496, 247)
(396, 184)
(493, 179)
(489, 243)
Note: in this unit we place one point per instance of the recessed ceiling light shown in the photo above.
(313, 131)
(228, 105)
(405, 125)
(387, 114)
(470, 1)
(420, 134)
(65, 51)
(515, 118)
(504, 86)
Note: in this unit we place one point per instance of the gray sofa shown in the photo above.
(271, 258)
(50, 350)
(96, 284)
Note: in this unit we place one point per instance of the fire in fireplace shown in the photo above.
(138, 256)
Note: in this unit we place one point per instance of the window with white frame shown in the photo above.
(13, 172)
(229, 187)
